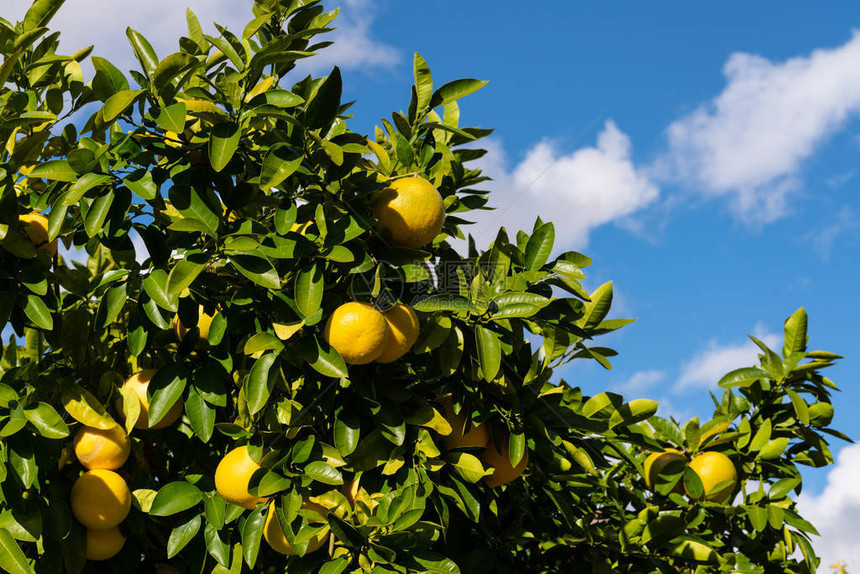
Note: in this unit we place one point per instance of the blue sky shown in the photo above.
(704, 157)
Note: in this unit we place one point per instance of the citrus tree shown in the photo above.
(259, 350)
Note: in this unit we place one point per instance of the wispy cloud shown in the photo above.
(748, 143)
(842, 226)
(706, 368)
(835, 512)
(579, 190)
(640, 381)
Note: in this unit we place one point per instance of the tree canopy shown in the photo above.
(216, 211)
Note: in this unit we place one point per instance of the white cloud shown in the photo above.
(162, 22)
(748, 144)
(708, 366)
(823, 238)
(835, 512)
(640, 381)
(578, 191)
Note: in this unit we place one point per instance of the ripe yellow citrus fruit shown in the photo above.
(499, 459)
(412, 210)
(358, 332)
(463, 432)
(204, 321)
(233, 475)
(100, 499)
(102, 449)
(712, 469)
(139, 383)
(656, 462)
(403, 331)
(36, 229)
(275, 535)
(104, 544)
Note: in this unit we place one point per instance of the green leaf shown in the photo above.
(143, 51)
(165, 388)
(762, 436)
(423, 81)
(223, 142)
(117, 104)
(598, 307)
(175, 497)
(97, 213)
(455, 90)
(404, 151)
(782, 487)
(86, 182)
(200, 415)
(512, 305)
(12, 560)
(55, 169)
(279, 164)
(262, 341)
(773, 449)
(633, 412)
(259, 384)
(347, 430)
(795, 333)
(172, 117)
(47, 421)
(258, 269)
(489, 352)
(141, 183)
(325, 360)
(801, 409)
(742, 377)
(322, 109)
(455, 303)
(181, 535)
(85, 408)
(539, 246)
(252, 532)
(155, 285)
(197, 205)
(182, 276)
(38, 313)
(309, 289)
(40, 13)
(323, 472)
(108, 79)
(693, 548)
(168, 69)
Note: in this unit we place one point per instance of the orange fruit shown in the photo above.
(36, 229)
(464, 433)
(139, 383)
(102, 449)
(275, 535)
(714, 468)
(358, 332)
(100, 499)
(104, 544)
(412, 210)
(656, 462)
(403, 331)
(204, 321)
(504, 471)
(233, 475)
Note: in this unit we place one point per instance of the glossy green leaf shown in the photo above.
(119, 103)
(85, 408)
(279, 164)
(55, 170)
(12, 559)
(258, 269)
(182, 534)
(175, 497)
(223, 143)
(489, 352)
(142, 51)
(455, 90)
(47, 421)
(309, 289)
(260, 383)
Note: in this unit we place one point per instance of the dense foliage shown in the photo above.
(214, 183)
